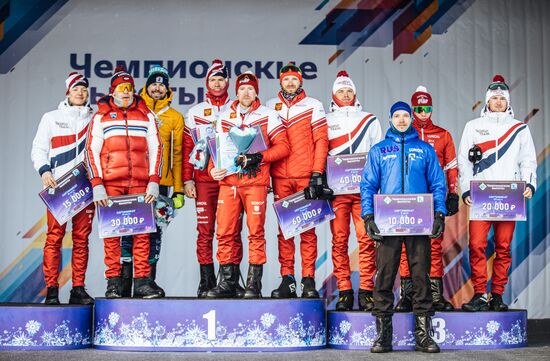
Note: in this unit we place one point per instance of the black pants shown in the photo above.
(388, 253)
(154, 239)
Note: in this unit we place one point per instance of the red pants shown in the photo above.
(504, 232)
(308, 240)
(436, 268)
(231, 203)
(82, 227)
(343, 206)
(206, 205)
(140, 248)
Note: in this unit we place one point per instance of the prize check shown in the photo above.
(497, 201)
(72, 194)
(404, 214)
(297, 214)
(126, 215)
(344, 172)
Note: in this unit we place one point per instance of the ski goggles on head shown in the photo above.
(290, 68)
(124, 87)
(422, 108)
(501, 86)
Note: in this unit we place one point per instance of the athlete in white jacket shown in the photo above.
(351, 131)
(57, 147)
(494, 147)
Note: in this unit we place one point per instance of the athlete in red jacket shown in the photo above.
(200, 185)
(306, 126)
(442, 141)
(124, 156)
(247, 190)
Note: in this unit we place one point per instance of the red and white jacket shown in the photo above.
(60, 139)
(508, 151)
(444, 147)
(274, 135)
(201, 114)
(306, 129)
(352, 131)
(123, 147)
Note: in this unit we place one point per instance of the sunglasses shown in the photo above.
(495, 86)
(422, 108)
(124, 87)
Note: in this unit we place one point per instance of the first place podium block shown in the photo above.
(179, 324)
(41, 327)
(452, 330)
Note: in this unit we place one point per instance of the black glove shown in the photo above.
(372, 228)
(250, 163)
(439, 225)
(315, 187)
(318, 188)
(452, 204)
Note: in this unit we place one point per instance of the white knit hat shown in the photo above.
(498, 87)
(343, 81)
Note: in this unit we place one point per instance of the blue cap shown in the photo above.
(400, 106)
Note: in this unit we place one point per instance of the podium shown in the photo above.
(41, 327)
(184, 324)
(452, 330)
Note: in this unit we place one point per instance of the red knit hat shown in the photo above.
(120, 76)
(247, 78)
(290, 69)
(421, 97)
(75, 79)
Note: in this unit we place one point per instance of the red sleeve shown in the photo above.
(280, 147)
(451, 164)
(320, 140)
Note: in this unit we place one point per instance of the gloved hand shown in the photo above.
(315, 187)
(372, 228)
(250, 163)
(439, 225)
(152, 192)
(179, 200)
(452, 204)
(100, 195)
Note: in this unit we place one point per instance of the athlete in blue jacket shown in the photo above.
(402, 163)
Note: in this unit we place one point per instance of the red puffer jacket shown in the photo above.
(123, 146)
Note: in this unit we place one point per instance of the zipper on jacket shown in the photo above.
(422, 133)
(402, 163)
(128, 152)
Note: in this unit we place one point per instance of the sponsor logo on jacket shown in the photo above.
(483, 131)
(62, 125)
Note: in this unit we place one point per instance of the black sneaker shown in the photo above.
(52, 296)
(287, 288)
(366, 300)
(308, 288)
(345, 301)
(478, 303)
(497, 304)
(79, 296)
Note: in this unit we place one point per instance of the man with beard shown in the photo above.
(158, 96)
(304, 119)
(246, 191)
